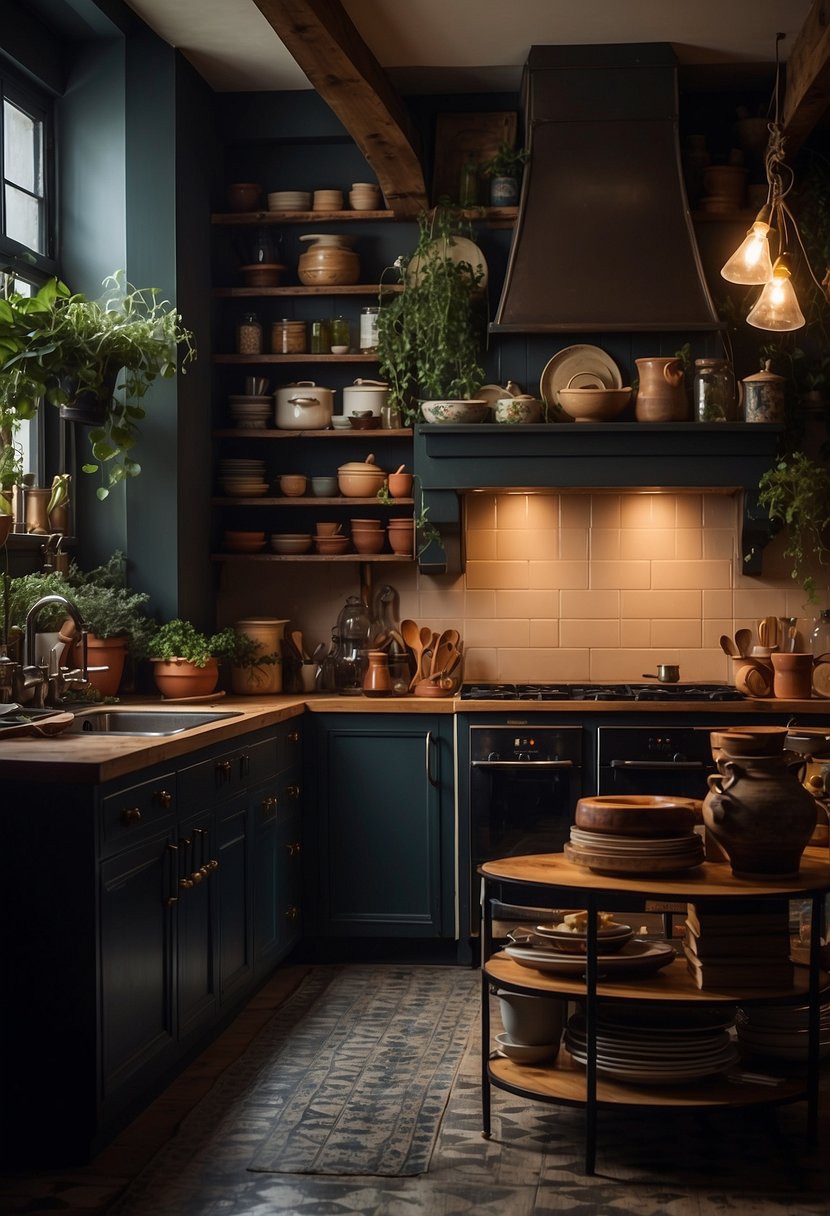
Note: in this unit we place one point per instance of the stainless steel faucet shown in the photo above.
(42, 684)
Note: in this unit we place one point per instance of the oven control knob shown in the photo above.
(493, 756)
(523, 755)
(679, 758)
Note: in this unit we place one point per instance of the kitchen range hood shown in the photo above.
(604, 240)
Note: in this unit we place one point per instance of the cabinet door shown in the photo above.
(234, 893)
(275, 811)
(195, 916)
(385, 825)
(289, 880)
(137, 940)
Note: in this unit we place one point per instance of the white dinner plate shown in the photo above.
(579, 366)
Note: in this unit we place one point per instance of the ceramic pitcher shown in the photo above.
(661, 396)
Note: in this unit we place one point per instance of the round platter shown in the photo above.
(579, 367)
(635, 956)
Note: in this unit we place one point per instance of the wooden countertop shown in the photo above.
(87, 758)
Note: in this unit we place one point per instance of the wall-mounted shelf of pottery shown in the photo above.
(358, 358)
(234, 432)
(311, 557)
(297, 217)
(356, 289)
(341, 501)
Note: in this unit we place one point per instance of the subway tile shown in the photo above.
(574, 633)
(688, 510)
(495, 634)
(596, 605)
(575, 511)
(689, 546)
(714, 628)
(622, 574)
(625, 665)
(605, 511)
(480, 664)
(635, 510)
(532, 604)
(536, 543)
(481, 603)
(675, 604)
(718, 604)
(691, 575)
(635, 633)
(480, 510)
(676, 633)
(664, 510)
(718, 544)
(647, 544)
(441, 603)
(605, 544)
(543, 511)
(573, 544)
(762, 602)
(497, 575)
(720, 510)
(544, 632)
(557, 575)
(703, 664)
(543, 664)
(481, 544)
(511, 511)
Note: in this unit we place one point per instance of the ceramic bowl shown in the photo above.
(365, 523)
(535, 1021)
(525, 1053)
(327, 528)
(368, 540)
(293, 485)
(290, 542)
(339, 423)
(332, 544)
(324, 487)
(244, 196)
(262, 274)
(357, 480)
(749, 740)
(517, 410)
(400, 484)
(593, 404)
(471, 411)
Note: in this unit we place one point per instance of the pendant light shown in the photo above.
(777, 306)
(751, 264)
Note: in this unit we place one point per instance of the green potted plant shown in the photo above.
(504, 168)
(78, 353)
(796, 495)
(186, 661)
(431, 333)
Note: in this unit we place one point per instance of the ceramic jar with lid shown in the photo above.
(265, 678)
(713, 391)
(249, 335)
(329, 261)
(763, 396)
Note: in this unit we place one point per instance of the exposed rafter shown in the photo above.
(345, 73)
(808, 76)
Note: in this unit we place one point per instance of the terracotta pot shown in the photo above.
(377, 681)
(259, 681)
(177, 678)
(661, 396)
(792, 676)
(400, 485)
(328, 262)
(244, 196)
(402, 540)
(103, 652)
(760, 814)
(368, 540)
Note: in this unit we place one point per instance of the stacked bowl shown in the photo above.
(243, 478)
(635, 834)
(327, 200)
(364, 196)
(251, 413)
(243, 542)
(289, 200)
(290, 542)
(367, 535)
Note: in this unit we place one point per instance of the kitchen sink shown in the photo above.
(144, 721)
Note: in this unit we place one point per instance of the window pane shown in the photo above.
(23, 149)
(23, 219)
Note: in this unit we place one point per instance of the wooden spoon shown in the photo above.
(297, 639)
(441, 657)
(729, 647)
(743, 640)
(768, 631)
(411, 635)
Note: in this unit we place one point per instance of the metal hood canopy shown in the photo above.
(604, 239)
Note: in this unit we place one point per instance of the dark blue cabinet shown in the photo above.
(277, 829)
(384, 825)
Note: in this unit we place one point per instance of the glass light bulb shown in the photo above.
(751, 263)
(777, 306)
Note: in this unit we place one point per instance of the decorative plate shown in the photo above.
(579, 367)
(635, 956)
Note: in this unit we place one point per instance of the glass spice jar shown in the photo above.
(340, 335)
(249, 335)
(713, 391)
(369, 329)
(320, 337)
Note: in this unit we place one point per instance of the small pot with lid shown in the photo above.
(763, 396)
(304, 406)
(360, 478)
(365, 395)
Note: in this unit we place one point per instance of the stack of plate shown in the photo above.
(781, 1030)
(617, 952)
(289, 200)
(243, 478)
(578, 367)
(666, 1049)
(250, 412)
(621, 855)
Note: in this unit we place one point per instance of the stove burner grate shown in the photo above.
(599, 692)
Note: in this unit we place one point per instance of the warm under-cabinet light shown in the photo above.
(777, 306)
(751, 264)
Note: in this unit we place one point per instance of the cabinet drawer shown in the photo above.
(128, 814)
(227, 772)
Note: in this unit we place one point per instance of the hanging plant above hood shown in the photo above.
(57, 346)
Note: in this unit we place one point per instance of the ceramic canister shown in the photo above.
(365, 395)
(763, 396)
(268, 633)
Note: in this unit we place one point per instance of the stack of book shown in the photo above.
(738, 949)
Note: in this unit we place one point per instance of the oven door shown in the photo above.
(645, 760)
(519, 807)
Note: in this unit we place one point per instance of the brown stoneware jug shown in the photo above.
(760, 814)
(661, 396)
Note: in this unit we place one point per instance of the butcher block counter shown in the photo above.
(90, 758)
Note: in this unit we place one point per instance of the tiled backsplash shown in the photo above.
(567, 587)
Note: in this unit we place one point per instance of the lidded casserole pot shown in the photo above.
(304, 406)
(329, 261)
(360, 478)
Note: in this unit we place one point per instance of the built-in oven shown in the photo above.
(664, 760)
(524, 783)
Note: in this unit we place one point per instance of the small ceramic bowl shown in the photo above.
(324, 487)
(517, 410)
(332, 544)
(593, 404)
(365, 523)
(327, 528)
(293, 485)
(340, 350)
(525, 1053)
(400, 484)
(368, 540)
(290, 542)
(455, 411)
(339, 423)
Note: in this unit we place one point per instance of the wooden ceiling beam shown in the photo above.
(808, 77)
(340, 66)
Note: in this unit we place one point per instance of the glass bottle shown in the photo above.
(820, 635)
(249, 335)
(340, 333)
(468, 183)
(328, 667)
(369, 329)
(320, 337)
(713, 391)
(353, 629)
(386, 636)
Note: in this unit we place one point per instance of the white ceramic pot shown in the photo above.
(365, 395)
(304, 406)
(517, 409)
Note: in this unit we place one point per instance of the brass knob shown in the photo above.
(267, 806)
(212, 865)
(164, 798)
(171, 900)
(815, 782)
(223, 770)
(293, 791)
(293, 847)
(204, 870)
(293, 736)
(292, 913)
(185, 884)
(196, 877)
(130, 815)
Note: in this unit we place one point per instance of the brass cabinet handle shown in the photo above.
(292, 913)
(293, 847)
(292, 791)
(186, 884)
(267, 806)
(293, 736)
(163, 798)
(130, 815)
(223, 771)
(170, 900)
(244, 764)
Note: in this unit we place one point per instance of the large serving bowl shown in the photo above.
(470, 411)
(290, 542)
(593, 404)
(636, 814)
(360, 479)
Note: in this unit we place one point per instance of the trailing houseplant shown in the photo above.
(795, 492)
(182, 655)
(61, 347)
(431, 333)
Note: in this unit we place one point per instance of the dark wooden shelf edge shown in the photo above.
(332, 433)
(356, 289)
(252, 360)
(311, 557)
(313, 501)
(297, 217)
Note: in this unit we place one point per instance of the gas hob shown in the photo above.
(599, 692)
